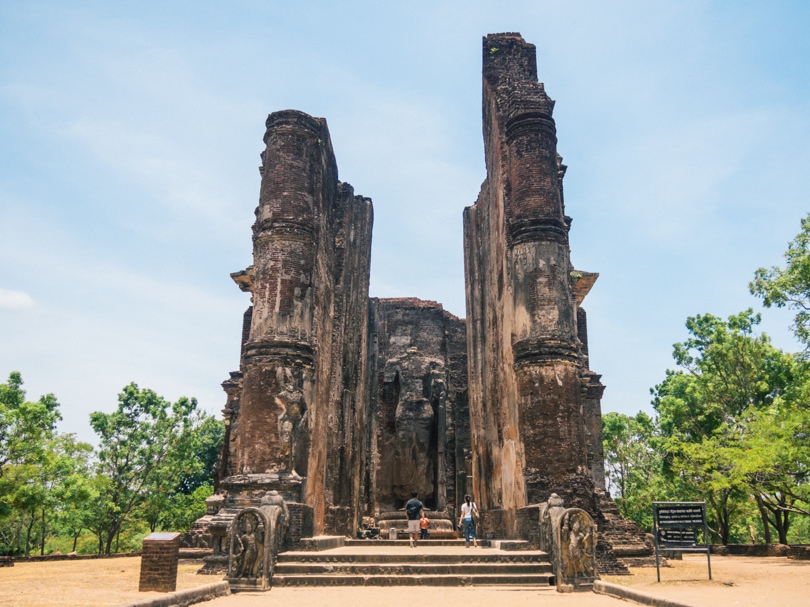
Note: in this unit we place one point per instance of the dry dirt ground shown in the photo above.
(738, 582)
(85, 583)
(414, 596)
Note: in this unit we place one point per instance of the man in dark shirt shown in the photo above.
(413, 512)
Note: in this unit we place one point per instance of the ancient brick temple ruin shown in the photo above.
(530, 389)
(344, 403)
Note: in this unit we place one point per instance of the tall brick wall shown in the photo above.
(301, 395)
(526, 394)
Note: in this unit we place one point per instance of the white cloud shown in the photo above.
(15, 300)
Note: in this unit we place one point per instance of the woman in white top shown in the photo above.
(466, 521)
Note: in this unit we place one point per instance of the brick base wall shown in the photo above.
(159, 562)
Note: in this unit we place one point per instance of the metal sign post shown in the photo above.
(674, 525)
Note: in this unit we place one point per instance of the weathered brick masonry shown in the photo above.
(526, 388)
(296, 408)
(159, 562)
(344, 404)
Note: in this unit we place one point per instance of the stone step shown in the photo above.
(534, 579)
(406, 542)
(411, 568)
(413, 556)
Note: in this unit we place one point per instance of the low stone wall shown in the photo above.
(72, 557)
(195, 554)
(629, 594)
(509, 544)
(799, 553)
(321, 542)
(750, 549)
(183, 598)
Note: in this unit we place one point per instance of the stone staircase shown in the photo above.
(394, 563)
(629, 544)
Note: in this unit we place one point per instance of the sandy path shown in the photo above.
(410, 596)
(738, 581)
(85, 583)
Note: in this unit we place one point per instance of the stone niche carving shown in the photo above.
(569, 536)
(256, 537)
(292, 420)
(414, 444)
(418, 428)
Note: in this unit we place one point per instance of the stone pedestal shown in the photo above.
(245, 491)
(159, 562)
(441, 524)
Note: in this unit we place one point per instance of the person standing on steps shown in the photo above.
(414, 510)
(424, 523)
(468, 511)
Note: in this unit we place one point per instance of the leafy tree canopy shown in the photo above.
(790, 286)
(716, 411)
(24, 426)
(145, 447)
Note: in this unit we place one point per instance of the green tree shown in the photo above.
(25, 426)
(790, 286)
(27, 431)
(179, 497)
(633, 464)
(73, 492)
(144, 446)
(728, 374)
(207, 438)
(777, 457)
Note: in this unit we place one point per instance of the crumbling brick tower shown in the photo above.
(526, 376)
(296, 409)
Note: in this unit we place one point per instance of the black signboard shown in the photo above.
(680, 515)
(674, 525)
(676, 538)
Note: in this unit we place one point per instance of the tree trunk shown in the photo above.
(781, 518)
(113, 531)
(782, 521)
(17, 537)
(75, 539)
(723, 516)
(763, 513)
(42, 545)
(28, 535)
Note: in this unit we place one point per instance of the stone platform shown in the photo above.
(404, 542)
(394, 563)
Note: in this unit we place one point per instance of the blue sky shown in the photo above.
(130, 135)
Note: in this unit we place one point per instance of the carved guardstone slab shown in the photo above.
(569, 535)
(159, 562)
(256, 536)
